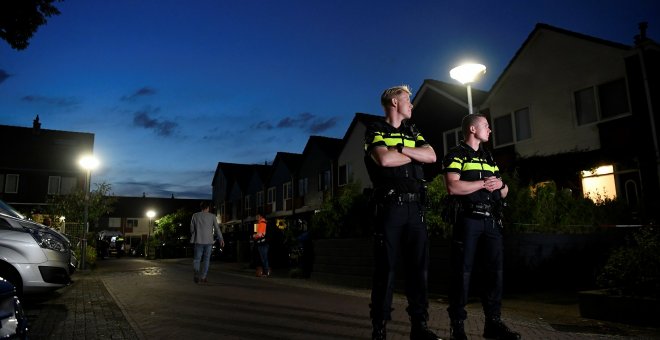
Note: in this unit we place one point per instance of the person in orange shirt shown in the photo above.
(262, 245)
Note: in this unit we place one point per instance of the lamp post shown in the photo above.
(151, 215)
(466, 74)
(88, 163)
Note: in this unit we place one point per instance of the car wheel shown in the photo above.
(10, 274)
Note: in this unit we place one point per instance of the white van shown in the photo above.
(33, 257)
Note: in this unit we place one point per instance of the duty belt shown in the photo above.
(481, 209)
(404, 197)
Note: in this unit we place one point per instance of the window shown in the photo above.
(271, 195)
(452, 138)
(11, 183)
(613, 99)
(131, 223)
(344, 174)
(585, 106)
(513, 127)
(324, 180)
(247, 203)
(54, 185)
(523, 125)
(601, 102)
(598, 184)
(302, 187)
(271, 204)
(286, 190)
(67, 185)
(260, 199)
(61, 185)
(503, 130)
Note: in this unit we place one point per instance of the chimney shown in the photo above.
(36, 125)
(641, 37)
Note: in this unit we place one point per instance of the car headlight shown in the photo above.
(48, 240)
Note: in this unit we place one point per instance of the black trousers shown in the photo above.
(400, 229)
(468, 234)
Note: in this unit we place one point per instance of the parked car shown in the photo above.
(33, 257)
(13, 321)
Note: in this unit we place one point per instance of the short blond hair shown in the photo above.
(392, 92)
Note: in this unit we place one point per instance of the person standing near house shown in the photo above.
(203, 229)
(262, 245)
(394, 154)
(476, 194)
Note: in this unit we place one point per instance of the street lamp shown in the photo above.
(88, 163)
(151, 214)
(466, 74)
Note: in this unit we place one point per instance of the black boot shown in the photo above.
(419, 330)
(457, 330)
(379, 331)
(496, 329)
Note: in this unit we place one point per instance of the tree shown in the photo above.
(20, 19)
(72, 206)
(173, 226)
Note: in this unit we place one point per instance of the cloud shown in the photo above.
(3, 75)
(192, 187)
(304, 121)
(298, 121)
(320, 126)
(142, 92)
(53, 101)
(163, 128)
(263, 125)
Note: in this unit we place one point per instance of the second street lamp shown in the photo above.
(151, 214)
(88, 163)
(466, 74)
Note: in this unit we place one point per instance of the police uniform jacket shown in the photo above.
(472, 166)
(406, 178)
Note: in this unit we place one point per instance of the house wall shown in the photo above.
(353, 154)
(544, 78)
(315, 162)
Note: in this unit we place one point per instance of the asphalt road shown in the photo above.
(134, 298)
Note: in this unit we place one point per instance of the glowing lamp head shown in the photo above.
(467, 73)
(89, 162)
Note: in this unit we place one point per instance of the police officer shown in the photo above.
(394, 153)
(474, 184)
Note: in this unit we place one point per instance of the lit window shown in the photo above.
(598, 184)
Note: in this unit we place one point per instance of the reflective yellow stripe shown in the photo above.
(454, 165)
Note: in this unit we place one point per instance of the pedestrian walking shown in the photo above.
(203, 229)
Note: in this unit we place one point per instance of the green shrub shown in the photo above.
(90, 258)
(634, 269)
(344, 215)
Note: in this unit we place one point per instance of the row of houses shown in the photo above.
(571, 108)
(42, 163)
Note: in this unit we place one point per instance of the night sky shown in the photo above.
(171, 88)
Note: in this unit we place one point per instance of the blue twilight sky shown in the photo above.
(172, 87)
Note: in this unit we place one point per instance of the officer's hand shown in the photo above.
(492, 183)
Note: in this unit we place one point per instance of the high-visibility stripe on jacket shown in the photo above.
(472, 166)
(406, 178)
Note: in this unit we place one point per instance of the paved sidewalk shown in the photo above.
(86, 310)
